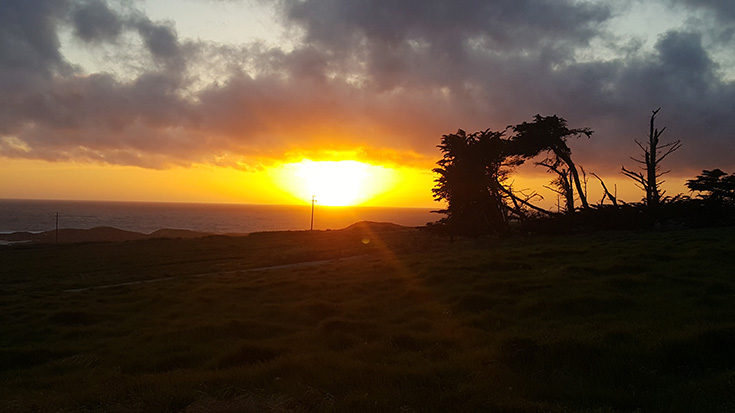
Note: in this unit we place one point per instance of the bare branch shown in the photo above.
(607, 193)
(672, 147)
(638, 160)
(640, 145)
(560, 192)
(526, 203)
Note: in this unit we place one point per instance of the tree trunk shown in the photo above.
(653, 196)
(575, 177)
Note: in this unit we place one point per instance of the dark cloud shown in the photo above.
(94, 21)
(394, 38)
(678, 76)
(161, 41)
(684, 55)
(29, 44)
(29, 58)
(505, 23)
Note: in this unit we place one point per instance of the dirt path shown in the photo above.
(274, 267)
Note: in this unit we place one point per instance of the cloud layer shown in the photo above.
(383, 79)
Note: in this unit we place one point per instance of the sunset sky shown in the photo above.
(237, 100)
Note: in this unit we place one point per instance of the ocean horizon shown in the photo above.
(22, 215)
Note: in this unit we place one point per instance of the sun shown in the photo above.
(334, 183)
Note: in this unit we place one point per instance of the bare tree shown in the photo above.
(648, 179)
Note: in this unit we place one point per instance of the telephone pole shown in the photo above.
(313, 199)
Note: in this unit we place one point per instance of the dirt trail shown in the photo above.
(207, 274)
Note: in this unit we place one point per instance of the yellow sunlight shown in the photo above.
(335, 183)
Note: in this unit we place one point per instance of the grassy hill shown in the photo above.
(381, 318)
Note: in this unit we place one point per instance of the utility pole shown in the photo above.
(57, 227)
(313, 199)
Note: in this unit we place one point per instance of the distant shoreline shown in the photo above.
(97, 234)
(40, 216)
(111, 234)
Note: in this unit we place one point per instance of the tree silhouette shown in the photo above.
(653, 154)
(470, 175)
(549, 134)
(715, 185)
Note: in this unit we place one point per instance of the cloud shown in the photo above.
(29, 44)
(385, 77)
(55, 112)
(94, 21)
(399, 41)
(723, 10)
(505, 23)
(161, 41)
(679, 77)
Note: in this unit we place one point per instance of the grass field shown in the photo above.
(396, 320)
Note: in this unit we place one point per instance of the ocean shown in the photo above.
(147, 217)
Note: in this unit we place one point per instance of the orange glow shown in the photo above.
(29, 179)
(343, 183)
(335, 183)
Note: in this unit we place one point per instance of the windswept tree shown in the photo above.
(654, 152)
(549, 134)
(471, 172)
(474, 171)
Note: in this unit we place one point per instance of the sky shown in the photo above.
(211, 100)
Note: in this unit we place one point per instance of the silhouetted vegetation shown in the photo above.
(549, 134)
(476, 170)
(471, 175)
(654, 152)
(715, 203)
(714, 186)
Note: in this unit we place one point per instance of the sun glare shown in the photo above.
(334, 183)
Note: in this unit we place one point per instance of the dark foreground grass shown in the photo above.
(601, 322)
